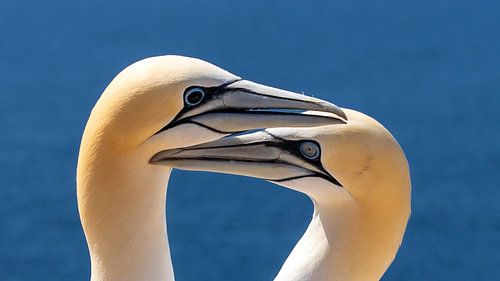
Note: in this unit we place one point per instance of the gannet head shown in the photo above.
(172, 101)
(355, 172)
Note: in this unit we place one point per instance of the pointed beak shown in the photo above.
(259, 154)
(243, 105)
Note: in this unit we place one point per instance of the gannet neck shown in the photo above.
(346, 240)
(122, 208)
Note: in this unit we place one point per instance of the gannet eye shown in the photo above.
(310, 150)
(194, 96)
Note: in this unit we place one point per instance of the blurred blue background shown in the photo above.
(428, 70)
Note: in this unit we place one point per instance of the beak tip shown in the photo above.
(162, 155)
(330, 107)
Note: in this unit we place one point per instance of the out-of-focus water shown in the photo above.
(428, 70)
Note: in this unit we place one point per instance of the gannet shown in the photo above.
(155, 105)
(355, 173)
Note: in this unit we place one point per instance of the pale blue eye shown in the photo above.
(310, 150)
(194, 96)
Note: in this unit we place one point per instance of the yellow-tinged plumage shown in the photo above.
(155, 105)
(354, 171)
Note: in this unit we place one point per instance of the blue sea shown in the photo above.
(429, 70)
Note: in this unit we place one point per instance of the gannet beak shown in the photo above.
(259, 155)
(243, 105)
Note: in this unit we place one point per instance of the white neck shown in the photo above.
(345, 242)
(122, 208)
(308, 256)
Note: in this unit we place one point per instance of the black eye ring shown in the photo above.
(310, 150)
(194, 96)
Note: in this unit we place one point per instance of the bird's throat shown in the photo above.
(341, 243)
(308, 255)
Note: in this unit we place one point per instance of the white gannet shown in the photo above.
(154, 105)
(356, 175)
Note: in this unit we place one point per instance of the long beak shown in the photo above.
(243, 105)
(259, 154)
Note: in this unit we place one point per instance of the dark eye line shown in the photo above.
(210, 94)
(213, 89)
(294, 148)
